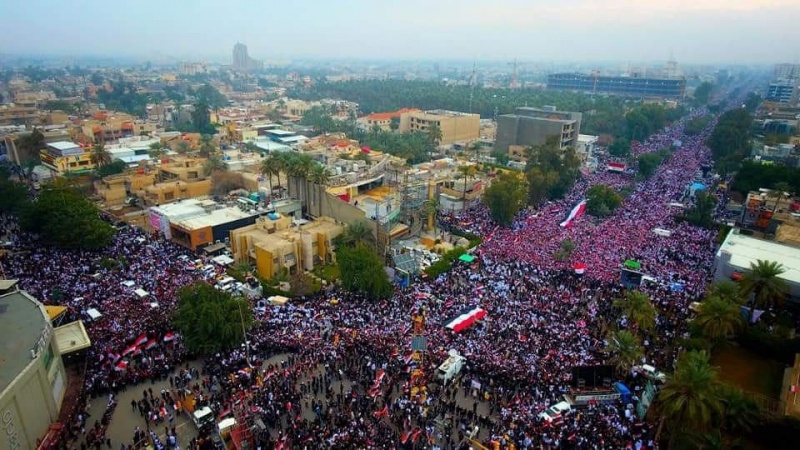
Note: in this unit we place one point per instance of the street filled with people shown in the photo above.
(350, 380)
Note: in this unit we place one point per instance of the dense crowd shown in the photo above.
(347, 382)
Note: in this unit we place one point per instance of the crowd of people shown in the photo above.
(350, 381)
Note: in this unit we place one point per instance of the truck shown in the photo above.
(451, 367)
(203, 417)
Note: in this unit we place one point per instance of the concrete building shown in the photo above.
(195, 223)
(787, 71)
(170, 191)
(455, 126)
(783, 91)
(242, 60)
(109, 127)
(642, 87)
(32, 375)
(17, 156)
(532, 126)
(383, 120)
(64, 156)
(18, 115)
(739, 250)
(277, 242)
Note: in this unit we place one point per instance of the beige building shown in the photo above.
(18, 115)
(115, 189)
(272, 245)
(167, 192)
(64, 156)
(383, 120)
(182, 169)
(106, 127)
(455, 126)
(32, 375)
(17, 156)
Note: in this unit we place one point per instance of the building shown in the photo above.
(787, 71)
(17, 156)
(532, 126)
(18, 115)
(170, 191)
(783, 91)
(646, 87)
(276, 242)
(32, 376)
(192, 68)
(105, 127)
(454, 126)
(242, 60)
(195, 223)
(739, 250)
(383, 120)
(65, 156)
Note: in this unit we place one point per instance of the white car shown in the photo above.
(650, 372)
(554, 412)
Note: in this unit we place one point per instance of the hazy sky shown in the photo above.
(695, 31)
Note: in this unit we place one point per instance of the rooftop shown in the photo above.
(747, 249)
(281, 133)
(22, 320)
(63, 145)
(213, 218)
(271, 146)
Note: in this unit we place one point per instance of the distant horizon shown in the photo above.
(707, 32)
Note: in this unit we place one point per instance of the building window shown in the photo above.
(169, 195)
(48, 357)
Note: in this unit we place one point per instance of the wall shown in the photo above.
(341, 211)
(223, 231)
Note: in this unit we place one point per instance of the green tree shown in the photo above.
(730, 140)
(29, 146)
(362, 271)
(780, 190)
(183, 147)
(65, 218)
(100, 156)
(210, 96)
(319, 174)
(435, 134)
(506, 197)
(14, 196)
(703, 93)
(201, 119)
(701, 213)
(467, 171)
(156, 149)
(636, 306)
(740, 413)
(207, 145)
(718, 318)
(761, 285)
(394, 124)
(551, 159)
(211, 320)
(214, 164)
(689, 400)
(625, 351)
(357, 233)
(112, 168)
(602, 200)
(620, 148)
(726, 290)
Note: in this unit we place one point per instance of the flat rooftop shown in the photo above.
(63, 145)
(214, 218)
(747, 249)
(22, 320)
(281, 132)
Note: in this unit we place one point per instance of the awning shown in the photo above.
(467, 258)
(633, 265)
(54, 312)
(7, 285)
(72, 337)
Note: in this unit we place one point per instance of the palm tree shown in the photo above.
(468, 171)
(435, 134)
(638, 309)
(761, 285)
(298, 168)
(780, 190)
(690, 400)
(319, 176)
(726, 290)
(625, 350)
(357, 233)
(206, 145)
(214, 164)
(99, 156)
(740, 412)
(718, 318)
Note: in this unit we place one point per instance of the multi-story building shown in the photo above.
(646, 87)
(532, 126)
(32, 376)
(383, 120)
(171, 191)
(18, 115)
(192, 68)
(182, 169)
(454, 126)
(105, 127)
(242, 60)
(783, 91)
(275, 242)
(17, 156)
(787, 71)
(65, 156)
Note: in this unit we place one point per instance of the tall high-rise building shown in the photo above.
(242, 60)
(787, 71)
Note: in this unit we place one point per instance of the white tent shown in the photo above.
(223, 260)
(93, 313)
(128, 283)
(662, 232)
(141, 293)
(154, 305)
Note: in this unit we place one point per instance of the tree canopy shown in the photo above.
(701, 213)
(506, 197)
(702, 94)
(649, 162)
(752, 176)
(65, 218)
(620, 148)
(551, 171)
(211, 320)
(362, 271)
(729, 142)
(602, 200)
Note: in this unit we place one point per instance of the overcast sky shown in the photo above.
(694, 31)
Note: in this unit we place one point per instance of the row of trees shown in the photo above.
(752, 176)
(730, 140)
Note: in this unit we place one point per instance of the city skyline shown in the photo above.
(712, 31)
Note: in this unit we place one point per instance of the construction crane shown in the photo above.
(514, 84)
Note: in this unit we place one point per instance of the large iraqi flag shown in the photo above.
(574, 214)
(466, 320)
